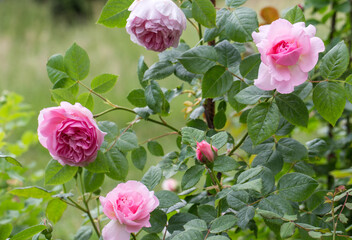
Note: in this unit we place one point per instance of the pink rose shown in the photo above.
(128, 206)
(155, 24)
(288, 52)
(169, 185)
(205, 153)
(70, 134)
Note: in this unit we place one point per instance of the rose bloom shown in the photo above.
(170, 185)
(288, 52)
(205, 152)
(70, 134)
(128, 206)
(155, 24)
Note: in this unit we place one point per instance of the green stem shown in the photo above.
(134, 236)
(200, 33)
(238, 145)
(87, 207)
(217, 182)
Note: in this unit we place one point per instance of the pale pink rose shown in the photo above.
(205, 153)
(128, 206)
(170, 185)
(70, 133)
(288, 52)
(155, 24)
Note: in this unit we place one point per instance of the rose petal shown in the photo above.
(115, 231)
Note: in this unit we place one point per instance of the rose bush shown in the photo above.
(288, 52)
(70, 134)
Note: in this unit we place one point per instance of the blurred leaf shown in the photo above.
(155, 148)
(235, 3)
(10, 159)
(220, 119)
(103, 83)
(203, 11)
(55, 210)
(31, 192)
(56, 174)
(5, 231)
(115, 13)
(28, 232)
(137, 98)
(76, 62)
(83, 233)
(63, 94)
(189, 235)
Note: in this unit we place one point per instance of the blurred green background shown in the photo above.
(33, 30)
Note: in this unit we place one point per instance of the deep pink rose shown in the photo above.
(155, 24)
(128, 206)
(70, 134)
(205, 152)
(288, 52)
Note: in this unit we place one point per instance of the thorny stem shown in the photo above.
(161, 136)
(337, 219)
(238, 145)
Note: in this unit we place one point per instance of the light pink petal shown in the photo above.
(264, 78)
(309, 60)
(279, 29)
(279, 72)
(115, 231)
(298, 76)
(284, 87)
(310, 30)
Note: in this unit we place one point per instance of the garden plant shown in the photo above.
(239, 168)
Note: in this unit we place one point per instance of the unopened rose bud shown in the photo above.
(205, 153)
(170, 185)
(155, 24)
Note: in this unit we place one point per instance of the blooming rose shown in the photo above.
(128, 206)
(169, 185)
(155, 24)
(288, 52)
(205, 152)
(70, 134)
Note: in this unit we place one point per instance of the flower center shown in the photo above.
(285, 52)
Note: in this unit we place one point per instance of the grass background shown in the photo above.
(29, 35)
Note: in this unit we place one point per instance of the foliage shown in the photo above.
(263, 182)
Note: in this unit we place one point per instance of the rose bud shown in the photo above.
(169, 185)
(155, 24)
(288, 52)
(128, 206)
(205, 152)
(70, 133)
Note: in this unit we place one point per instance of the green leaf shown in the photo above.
(218, 237)
(270, 159)
(293, 109)
(196, 224)
(263, 120)
(56, 174)
(55, 210)
(316, 199)
(155, 148)
(278, 206)
(167, 199)
(228, 54)
(249, 66)
(84, 233)
(291, 149)
(241, 24)
(177, 221)
(103, 83)
(157, 221)
(118, 164)
(219, 140)
(11, 160)
(216, 82)
(5, 231)
(335, 62)
(296, 186)
(86, 100)
(294, 15)
(159, 70)
(76, 62)
(63, 94)
(31, 192)
(151, 236)
(199, 59)
(55, 68)
(303, 90)
(244, 216)
(225, 164)
(348, 88)
(139, 157)
(287, 230)
(223, 223)
(255, 185)
(192, 135)
(115, 13)
(203, 11)
(251, 95)
(329, 99)
(99, 165)
(259, 172)
(154, 96)
(220, 119)
(137, 98)
(152, 177)
(127, 142)
(237, 86)
(110, 128)
(92, 181)
(207, 212)
(189, 235)
(142, 67)
(28, 232)
(192, 176)
(237, 199)
(235, 3)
